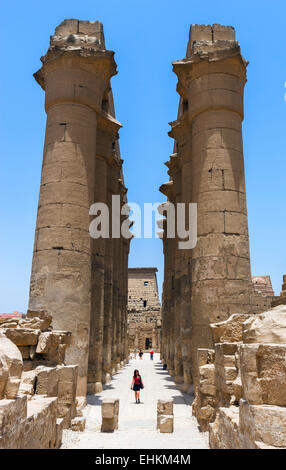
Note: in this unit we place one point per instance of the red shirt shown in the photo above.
(137, 380)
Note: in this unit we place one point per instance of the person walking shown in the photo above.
(137, 384)
(141, 354)
(151, 355)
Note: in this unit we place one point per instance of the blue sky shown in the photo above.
(146, 36)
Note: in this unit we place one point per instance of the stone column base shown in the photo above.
(94, 387)
(187, 388)
(179, 379)
(107, 379)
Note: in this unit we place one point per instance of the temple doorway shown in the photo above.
(148, 343)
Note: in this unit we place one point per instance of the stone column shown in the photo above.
(123, 282)
(121, 333)
(180, 132)
(178, 361)
(169, 189)
(108, 289)
(212, 80)
(115, 310)
(107, 130)
(126, 248)
(76, 71)
(164, 311)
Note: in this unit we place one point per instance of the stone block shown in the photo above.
(200, 32)
(267, 327)
(229, 330)
(47, 381)
(91, 28)
(166, 423)
(224, 431)
(262, 423)
(44, 342)
(11, 366)
(109, 408)
(263, 372)
(205, 356)
(207, 388)
(67, 27)
(165, 407)
(40, 320)
(109, 424)
(22, 336)
(236, 222)
(41, 423)
(223, 33)
(78, 424)
(12, 413)
(28, 382)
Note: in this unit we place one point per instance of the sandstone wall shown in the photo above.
(144, 309)
(37, 403)
(240, 397)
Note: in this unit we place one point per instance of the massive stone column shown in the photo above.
(109, 279)
(170, 189)
(75, 73)
(107, 131)
(126, 249)
(181, 133)
(107, 336)
(216, 274)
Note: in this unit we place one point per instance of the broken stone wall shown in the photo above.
(242, 400)
(37, 390)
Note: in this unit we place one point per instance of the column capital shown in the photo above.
(167, 189)
(174, 164)
(108, 124)
(180, 128)
(76, 68)
(210, 57)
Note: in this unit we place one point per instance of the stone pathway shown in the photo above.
(137, 422)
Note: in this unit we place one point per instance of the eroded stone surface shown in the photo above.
(11, 366)
(267, 327)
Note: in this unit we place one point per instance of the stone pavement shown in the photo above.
(137, 422)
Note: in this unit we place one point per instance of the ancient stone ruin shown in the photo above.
(37, 389)
(221, 332)
(215, 337)
(144, 310)
(81, 281)
(78, 283)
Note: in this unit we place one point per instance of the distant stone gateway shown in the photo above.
(220, 331)
(144, 310)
